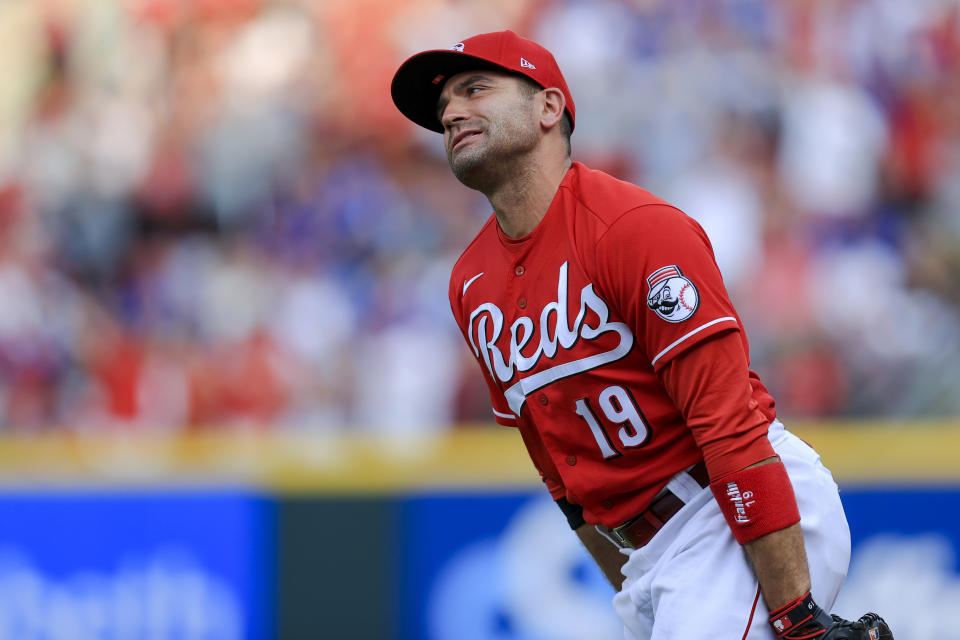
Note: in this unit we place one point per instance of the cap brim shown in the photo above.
(417, 85)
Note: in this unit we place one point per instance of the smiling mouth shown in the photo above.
(462, 137)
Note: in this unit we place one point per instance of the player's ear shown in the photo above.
(552, 109)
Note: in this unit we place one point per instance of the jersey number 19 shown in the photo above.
(620, 408)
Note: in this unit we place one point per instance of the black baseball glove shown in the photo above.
(870, 626)
(802, 619)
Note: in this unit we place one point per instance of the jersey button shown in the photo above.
(519, 270)
(522, 303)
(571, 460)
(542, 399)
(607, 504)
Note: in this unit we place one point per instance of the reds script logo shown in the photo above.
(486, 327)
(672, 295)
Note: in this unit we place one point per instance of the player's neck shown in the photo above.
(522, 201)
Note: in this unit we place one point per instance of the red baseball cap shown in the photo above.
(418, 82)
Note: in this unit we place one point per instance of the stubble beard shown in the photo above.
(488, 163)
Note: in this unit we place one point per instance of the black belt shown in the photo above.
(640, 529)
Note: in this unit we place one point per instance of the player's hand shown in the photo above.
(803, 619)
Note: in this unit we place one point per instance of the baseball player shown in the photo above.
(599, 319)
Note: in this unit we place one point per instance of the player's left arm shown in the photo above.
(710, 385)
(779, 559)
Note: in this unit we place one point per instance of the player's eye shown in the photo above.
(473, 90)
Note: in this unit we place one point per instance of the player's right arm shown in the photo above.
(606, 555)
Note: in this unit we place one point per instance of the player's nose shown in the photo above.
(454, 112)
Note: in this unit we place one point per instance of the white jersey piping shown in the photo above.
(692, 333)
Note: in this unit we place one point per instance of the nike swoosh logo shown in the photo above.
(466, 285)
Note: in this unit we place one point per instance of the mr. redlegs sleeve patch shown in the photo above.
(672, 295)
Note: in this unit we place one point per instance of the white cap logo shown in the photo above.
(525, 63)
(458, 47)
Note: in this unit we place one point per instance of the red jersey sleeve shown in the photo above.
(543, 462)
(658, 265)
(501, 410)
(710, 385)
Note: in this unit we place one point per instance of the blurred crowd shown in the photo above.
(212, 216)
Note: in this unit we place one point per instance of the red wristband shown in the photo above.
(757, 501)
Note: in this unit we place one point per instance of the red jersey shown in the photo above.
(575, 326)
